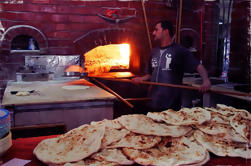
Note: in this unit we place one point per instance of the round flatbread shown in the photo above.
(185, 116)
(75, 87)
(91, 162)
(222, 147)
(109, 123)
(241, 125)
(136, 141)
(73, 146)
(142, 124)
(114, 131)
(171, 151)
(112, 155)
(228, 110)
(219, 118)
(223, 131)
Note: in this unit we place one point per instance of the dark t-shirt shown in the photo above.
(167, 65)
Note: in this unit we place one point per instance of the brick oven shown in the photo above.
(103, 37)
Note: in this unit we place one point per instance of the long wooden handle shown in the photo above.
(179, 22)
(183, 87)
(112, 92)
(146, 23)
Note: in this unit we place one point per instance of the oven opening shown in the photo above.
(108, 58)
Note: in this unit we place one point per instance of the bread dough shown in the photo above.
(75, 87)
(22, 93)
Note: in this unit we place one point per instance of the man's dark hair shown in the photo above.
(167, 25)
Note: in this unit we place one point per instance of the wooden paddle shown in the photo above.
(114, 93)
(182, 86)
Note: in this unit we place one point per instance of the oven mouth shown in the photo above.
(107, 58)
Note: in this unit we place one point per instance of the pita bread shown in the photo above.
(109, 123)
(241, 126)
(223, 131)
(91, 162)
(141, 124)
(222, 147)
(22, 93)
(219, 118)
(224, 109)
(204, 161)
(136, 141)
(225, 113)
(113, 131)
(75, 145)
(113, 135)
(112, 155)
(171, 151)
(185, 116)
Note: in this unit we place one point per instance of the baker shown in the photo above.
(167, 64)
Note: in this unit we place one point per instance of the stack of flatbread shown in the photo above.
(183, 137)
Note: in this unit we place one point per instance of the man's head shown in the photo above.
(163, 29)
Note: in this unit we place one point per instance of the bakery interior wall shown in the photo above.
(72, 27)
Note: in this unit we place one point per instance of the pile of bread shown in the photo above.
(183, 137)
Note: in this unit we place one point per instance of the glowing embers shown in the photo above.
(104, 58)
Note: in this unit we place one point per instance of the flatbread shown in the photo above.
(113, 135)
(204, 161)
(241, 126)
(75, 145)
(112, 155)
(171, 151)
(219, 118)
(222, 147)
(91, 162)
(224, 109)
(142, 124)
(136, 141)
(114, 131)
(185, 116)
(75, 87)
(22, 93)
(226, 113)
(223, 131)
(109, 123)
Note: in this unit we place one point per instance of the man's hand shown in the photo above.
(137, 79)
(140, 79)
(205, 86)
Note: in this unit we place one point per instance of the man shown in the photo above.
(167, 65)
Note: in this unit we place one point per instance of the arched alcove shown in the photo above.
(190, 39)
(23, 32)
(24, 42)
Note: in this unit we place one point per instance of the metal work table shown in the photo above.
(50, 103)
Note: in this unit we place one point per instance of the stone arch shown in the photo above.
(17, 30)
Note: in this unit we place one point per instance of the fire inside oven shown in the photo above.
(107, 58)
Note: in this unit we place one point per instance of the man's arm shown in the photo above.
(206, 85)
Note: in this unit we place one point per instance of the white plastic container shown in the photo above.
(5, 143)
